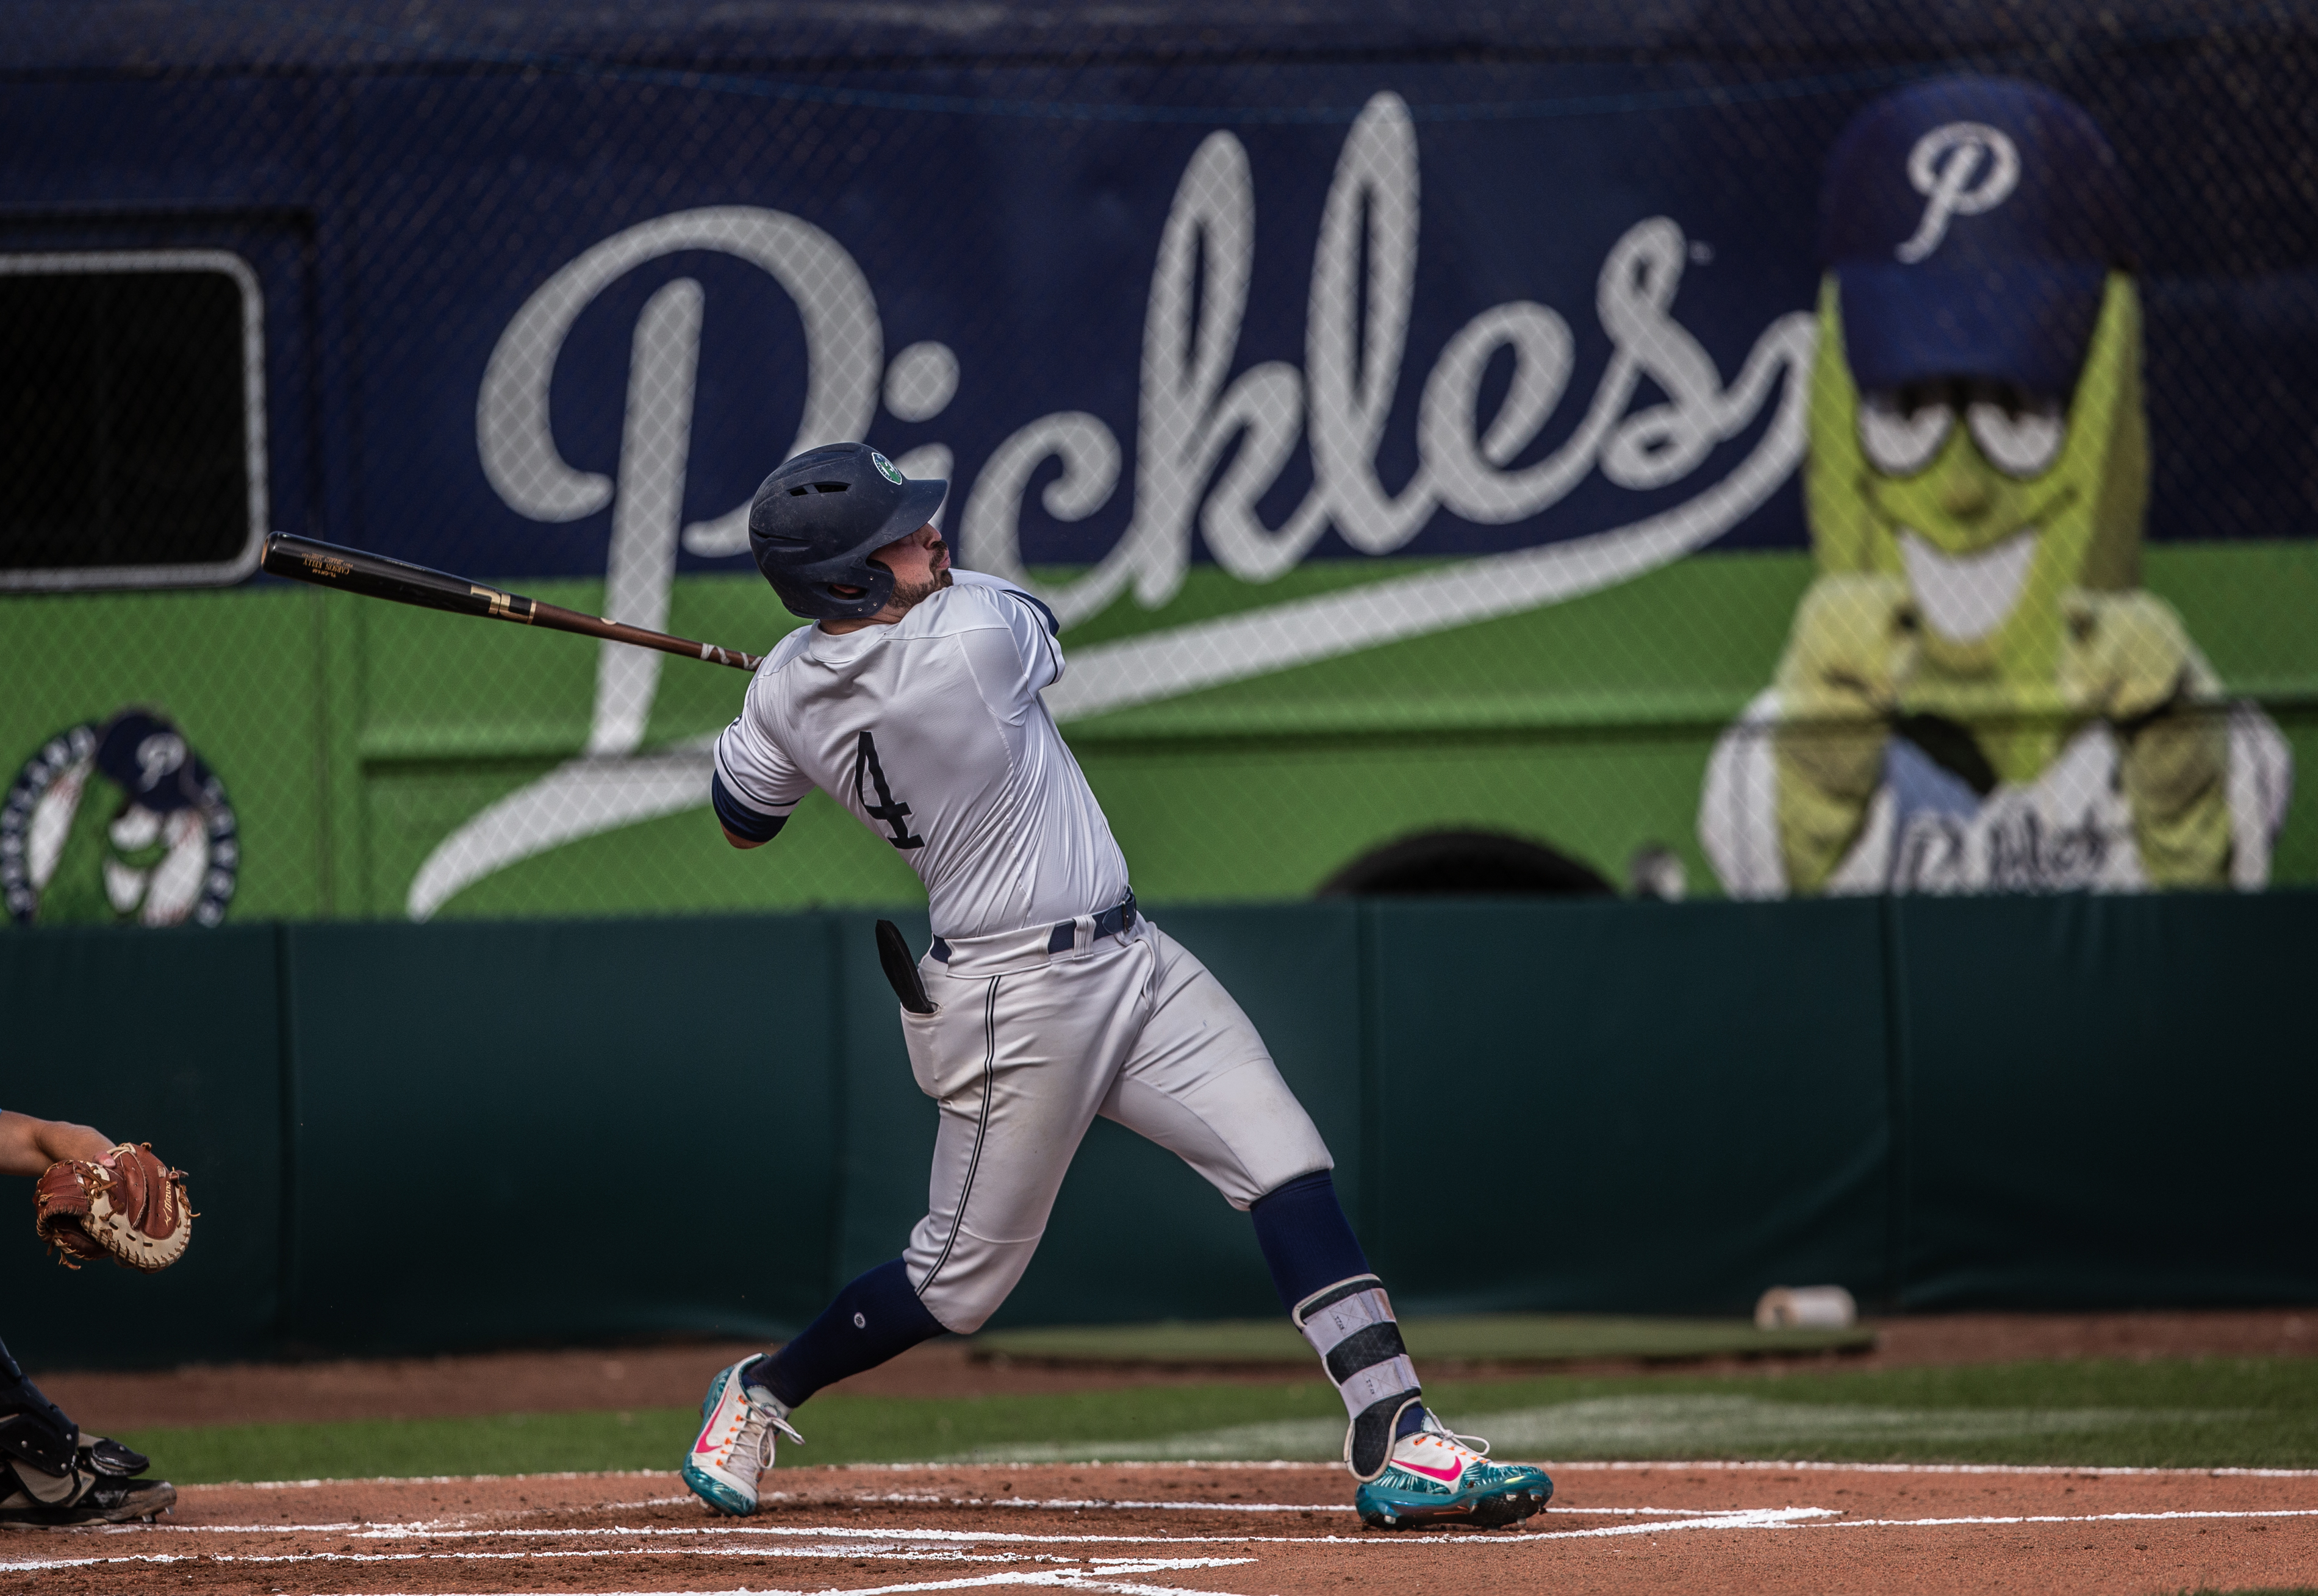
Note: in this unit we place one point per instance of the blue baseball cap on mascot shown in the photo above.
(147, 757)
(1971, 223)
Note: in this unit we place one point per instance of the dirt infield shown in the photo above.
(568, 1381)
(1252, 1529)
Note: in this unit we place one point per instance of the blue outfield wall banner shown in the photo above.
(1090, 320)
(1435, 276)
(1108, 283)
(615, 1131)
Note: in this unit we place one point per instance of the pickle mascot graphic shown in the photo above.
(117, 822)
(1976, 693)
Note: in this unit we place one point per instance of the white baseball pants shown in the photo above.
(1025, 1047)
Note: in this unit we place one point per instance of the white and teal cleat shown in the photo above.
(1435, 1477)
(735, 1444)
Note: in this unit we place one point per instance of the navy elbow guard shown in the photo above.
(740, 820)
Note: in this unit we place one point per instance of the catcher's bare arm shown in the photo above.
(374, 576)
(29, 1146)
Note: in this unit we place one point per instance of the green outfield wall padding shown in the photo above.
(558, 1130)
(1627, 1105)
(2109, 1100)
(420, 1138)
(170, 1038)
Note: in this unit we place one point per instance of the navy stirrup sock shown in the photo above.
(877, 1317)
(1306, 1241)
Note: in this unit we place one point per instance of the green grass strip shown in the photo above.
(511, 1443)
(2203, 1413)
(839, 1428)
(1471, 1337)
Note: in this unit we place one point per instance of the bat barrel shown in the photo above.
(373, 575)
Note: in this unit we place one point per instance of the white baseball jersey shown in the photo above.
(930, 732)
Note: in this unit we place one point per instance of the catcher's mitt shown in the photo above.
(128, 1205)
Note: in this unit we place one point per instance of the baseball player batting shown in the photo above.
(1046, 998)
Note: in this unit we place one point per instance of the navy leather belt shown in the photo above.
(1115, 922)
(1111, 922)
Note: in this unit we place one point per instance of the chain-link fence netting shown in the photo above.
(1766, 450)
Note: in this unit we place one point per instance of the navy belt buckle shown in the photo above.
(1114, 921)
(1117, 921)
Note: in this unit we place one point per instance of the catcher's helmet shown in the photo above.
(816, 520)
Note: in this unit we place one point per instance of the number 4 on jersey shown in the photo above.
(888, 808)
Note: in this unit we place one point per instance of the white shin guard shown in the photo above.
(1350, 1326)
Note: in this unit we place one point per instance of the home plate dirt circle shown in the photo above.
(1249, 1529)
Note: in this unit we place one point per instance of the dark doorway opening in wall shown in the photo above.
(126, 417)
(1465, 864)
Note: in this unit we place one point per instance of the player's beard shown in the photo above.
(907, 596)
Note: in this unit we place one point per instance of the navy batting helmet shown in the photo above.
(816, 520)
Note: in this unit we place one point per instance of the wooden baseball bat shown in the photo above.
(374, 576)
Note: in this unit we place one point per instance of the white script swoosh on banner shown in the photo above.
(1208, 653)
(580, 798)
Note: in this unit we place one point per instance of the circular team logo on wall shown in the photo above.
(118, 823)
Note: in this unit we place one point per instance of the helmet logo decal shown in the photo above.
(885, 467)
(1960, 169)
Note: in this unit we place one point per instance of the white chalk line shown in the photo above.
(823, 1553)
(435, 1479)
(1094, 1578)
(1060, 1578)
(1076, 1504)
(1096, 1572)
(1263, 1464)
(2277, 1512)
(1645, 1466)
(1073, 1503)
(883, 1548)
(1108, 1504)
(1115, 1504)
(849, 1541)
